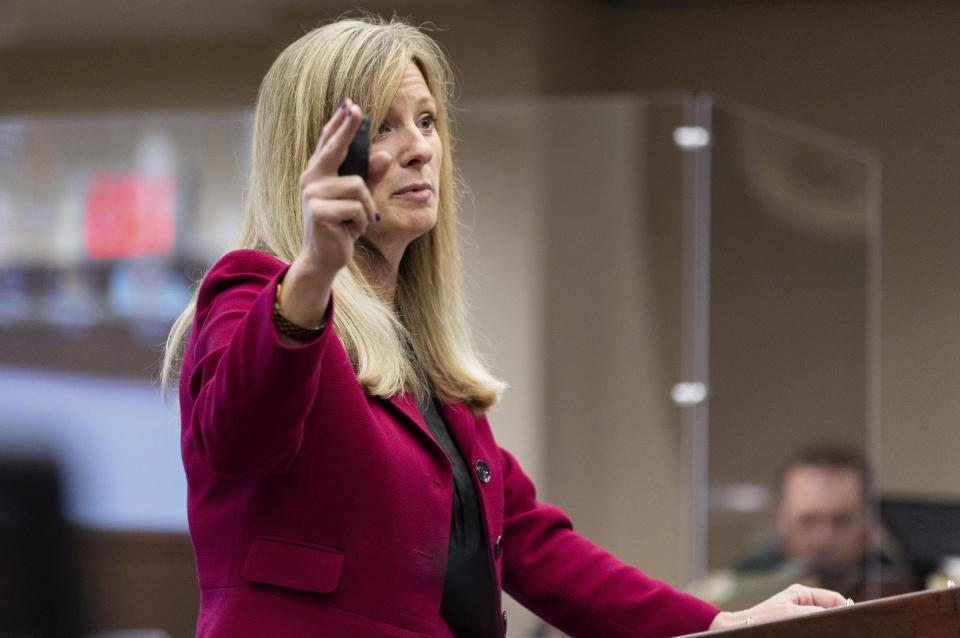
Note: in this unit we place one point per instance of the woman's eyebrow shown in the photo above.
(418, 103)
(426, 98)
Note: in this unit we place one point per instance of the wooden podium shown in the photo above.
(926, 614)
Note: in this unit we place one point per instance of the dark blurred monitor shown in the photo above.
(38, 592)
(927, 530)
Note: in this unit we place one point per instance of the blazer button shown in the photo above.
(498, 547)
(483, 472)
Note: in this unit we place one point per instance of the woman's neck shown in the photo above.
(378, 270)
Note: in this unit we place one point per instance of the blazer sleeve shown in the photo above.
(244, 394)
(578, 587)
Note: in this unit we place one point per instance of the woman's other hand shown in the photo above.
(336, 211)
(795, 600)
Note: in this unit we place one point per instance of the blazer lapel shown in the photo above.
(409, 415)
(407, 407)
(460, 422)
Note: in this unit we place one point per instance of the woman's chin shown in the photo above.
(396, 229)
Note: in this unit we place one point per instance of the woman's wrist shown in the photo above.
(287, 329)
(305, 294)
(726, 619)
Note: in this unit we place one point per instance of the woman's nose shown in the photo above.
(415, 149)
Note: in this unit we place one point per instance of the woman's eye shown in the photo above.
(427, 122)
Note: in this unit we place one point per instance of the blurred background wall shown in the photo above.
(882, 74)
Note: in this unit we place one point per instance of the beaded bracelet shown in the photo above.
(289, 329)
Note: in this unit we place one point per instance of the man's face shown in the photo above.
(822, 519)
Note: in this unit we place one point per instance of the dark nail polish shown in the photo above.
(343, 103)
(376, 216)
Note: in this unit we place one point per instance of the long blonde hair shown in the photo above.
(363, 59)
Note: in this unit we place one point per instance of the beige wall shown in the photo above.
(884, 74)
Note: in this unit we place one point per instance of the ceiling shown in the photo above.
(35, 21)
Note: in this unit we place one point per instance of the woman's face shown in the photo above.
(407, 195)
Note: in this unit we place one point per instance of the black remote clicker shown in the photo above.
(359, 152)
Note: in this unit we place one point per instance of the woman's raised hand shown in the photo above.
(336, 211)
(795, 600)
(336, 208)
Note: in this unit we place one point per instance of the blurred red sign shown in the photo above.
(129, 215)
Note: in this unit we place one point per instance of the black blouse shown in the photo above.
(469, 595)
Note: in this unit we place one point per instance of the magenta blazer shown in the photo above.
(316, 510)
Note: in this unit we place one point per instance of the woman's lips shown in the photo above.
(419, 192)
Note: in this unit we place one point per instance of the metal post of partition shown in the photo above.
(692, 393)
(873, 359)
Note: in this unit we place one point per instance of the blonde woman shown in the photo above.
(343, 480)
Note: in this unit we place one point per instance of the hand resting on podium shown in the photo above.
(795, 600)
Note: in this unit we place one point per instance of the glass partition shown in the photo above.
(792, 221)
(699, 286)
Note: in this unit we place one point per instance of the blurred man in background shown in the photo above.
(825, 535)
